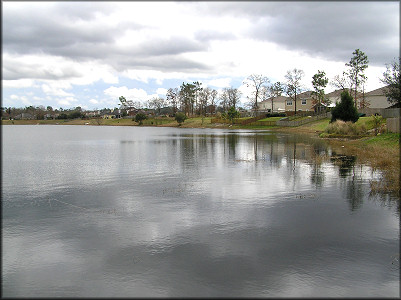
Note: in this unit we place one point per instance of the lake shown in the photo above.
(96, 211)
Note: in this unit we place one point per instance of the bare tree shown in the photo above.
(206, 96)
(341, 82)
(257, 82)
(276, 89)
(213, 98)
(172, 98)
(157, 103)
(231, 96)
(294, 85)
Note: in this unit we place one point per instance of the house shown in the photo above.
(278, 104)
(377, 98)
(304, 102)
(24, 116)
(334, 97)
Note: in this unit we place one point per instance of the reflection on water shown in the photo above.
(128, 211)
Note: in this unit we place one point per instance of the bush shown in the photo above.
(270, 115)
(180, 117)
(345, 110)
(345, 128)
(139, 117)
(232, 114)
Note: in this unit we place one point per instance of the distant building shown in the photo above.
(377, 98)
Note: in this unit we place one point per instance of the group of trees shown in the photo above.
(40, 112)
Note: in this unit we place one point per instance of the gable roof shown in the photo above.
(306, 94)
(377, 92)
(336, 93)
(276, 99)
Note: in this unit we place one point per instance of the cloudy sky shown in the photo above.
(68, 54)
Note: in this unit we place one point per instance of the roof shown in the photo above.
(377, 92)
(337, 93)
(275, 99)
(306, 94)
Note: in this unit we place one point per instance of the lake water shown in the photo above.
(94, 211)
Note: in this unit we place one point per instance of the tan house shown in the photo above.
(304, 102)
(283, 103)
(373, 99)
(278, 104)
(377, 98)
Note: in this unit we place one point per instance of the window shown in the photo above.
(303, 101)
(289, 102)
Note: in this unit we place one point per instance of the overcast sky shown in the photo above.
(68, 54)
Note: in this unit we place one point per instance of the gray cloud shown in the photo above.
(71, 31)
(331, 30)
(207, 35)
(15, 71)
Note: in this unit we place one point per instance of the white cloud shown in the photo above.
(67, 101)
(93, 101)
(130, 94)
(19, 83)
(56, 89)
(14, 97)
(161, 91)
(219, 82)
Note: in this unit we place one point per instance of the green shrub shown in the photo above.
(180, 117)
(139, 117)
(345, 110)
(232, 114)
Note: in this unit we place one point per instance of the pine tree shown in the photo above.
(345, 110)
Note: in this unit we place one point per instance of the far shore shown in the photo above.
(381, 151)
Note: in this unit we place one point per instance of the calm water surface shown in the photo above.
(91, 211)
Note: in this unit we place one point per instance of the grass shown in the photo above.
(270, 119)
(380, 152)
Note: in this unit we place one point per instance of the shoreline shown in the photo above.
(381, 152)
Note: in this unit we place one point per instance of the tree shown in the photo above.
(231, 97)
(180, 118)
(393, 80)
(232, 113)
(357, 65)
(294, 86)
(257, 82)
(345, 110)
(197, 91)
(172, 98)
(319, 82)
(206, 96)
(276, 89)
(341, 82)
(224, 100)
(157, 103)
(213, 96)
(139, 117)
(123, 101)
(187, 96)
